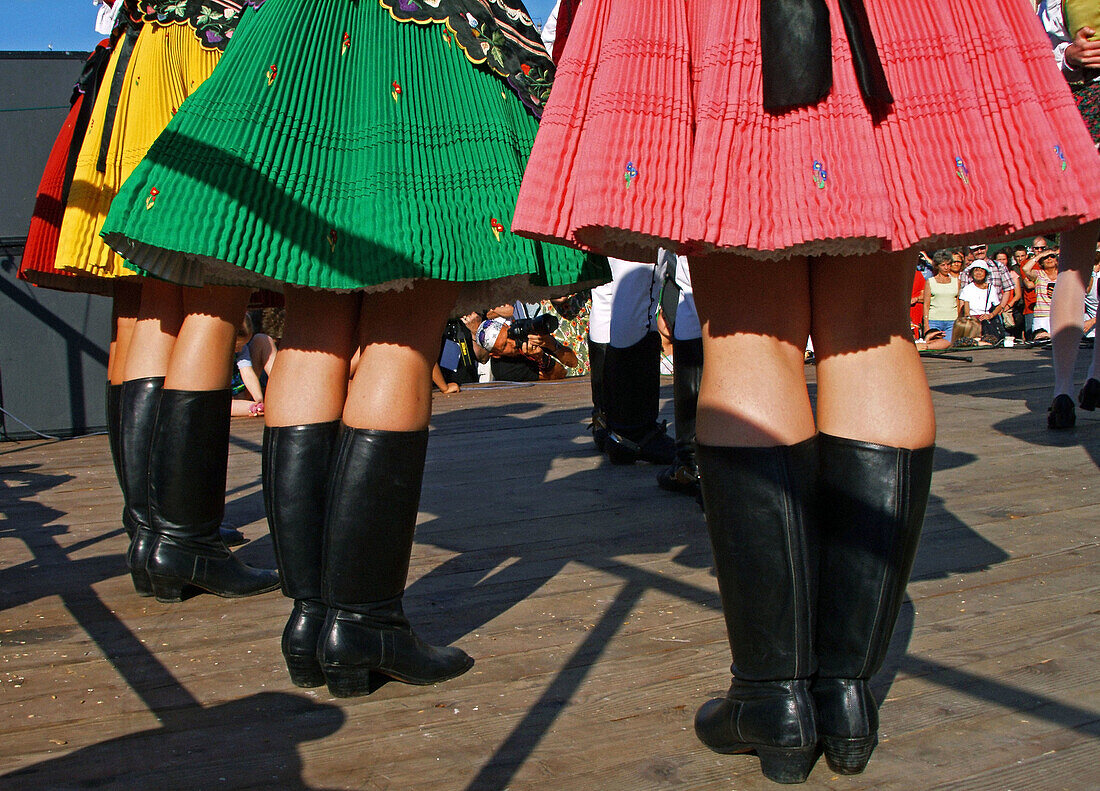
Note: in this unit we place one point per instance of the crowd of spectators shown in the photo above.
(974, 297)
(971, 296)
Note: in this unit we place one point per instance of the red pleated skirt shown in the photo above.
(40, 251)
(655, 135)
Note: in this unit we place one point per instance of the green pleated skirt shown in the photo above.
(336, 148)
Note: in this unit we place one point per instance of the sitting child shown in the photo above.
(255, 354)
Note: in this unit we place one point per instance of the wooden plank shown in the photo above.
(584, 592)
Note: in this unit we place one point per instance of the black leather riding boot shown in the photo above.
(139, 400)
(873, 499)
(632, 394)
(596, 354)
(187, 468)
(687, 372)
(760, 506)
(369, 523)
(114, 433)
(296, 466)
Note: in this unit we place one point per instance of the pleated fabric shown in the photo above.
(39, 253)
(167, 64)
(335, 148)
(982, 141)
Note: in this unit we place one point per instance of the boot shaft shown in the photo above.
(370, 516)
(761, 516)
(873, 500)
(187, 463)
(687, 374)
(139, 402)
(296, 466)
(114, 427)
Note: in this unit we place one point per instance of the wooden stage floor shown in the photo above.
(585, 594)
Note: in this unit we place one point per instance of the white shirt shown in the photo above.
(108, 12)
(549, 30)
(980, 300)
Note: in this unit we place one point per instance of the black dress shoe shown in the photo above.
(1089, 397)
(1061, 414)
(652, 445)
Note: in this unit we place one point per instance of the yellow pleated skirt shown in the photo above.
(166, 65)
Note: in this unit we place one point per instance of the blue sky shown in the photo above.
(70, 24)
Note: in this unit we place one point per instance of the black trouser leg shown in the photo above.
(597, 352)
(687, 373)
(632, 394)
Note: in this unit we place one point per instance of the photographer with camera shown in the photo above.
(525, 349)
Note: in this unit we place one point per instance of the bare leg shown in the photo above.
(399, 332)
(877, 427)
(756, 320)
(203, 352)
(125, 309)
(158, 323)
(1078, 253)
(309, 378)
(871, 383)
(374, 495)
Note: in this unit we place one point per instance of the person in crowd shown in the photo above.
(537, 357)
(1041, 274)
(254, 356)
(1089, 327)
(723, 101)
(440, 381)
(1072, 28)
(958, 263)
(926, 265)
(916, 304)
(369, 260)
(1012, 312)
(981, 300)
(940, 301)
(461, 352)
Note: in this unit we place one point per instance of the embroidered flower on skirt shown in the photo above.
(497, 33)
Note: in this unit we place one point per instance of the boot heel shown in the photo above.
(168, 590)
(787, 765)
(347, 682)
(848, 756)
(142, 585)
(305, 671)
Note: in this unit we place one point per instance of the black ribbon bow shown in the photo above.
(795, 43)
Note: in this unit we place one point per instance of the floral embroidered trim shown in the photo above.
(498, 229)
(496, 33)
(213, 21)
(1061, 156)
(821, 175)
(152, 198)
